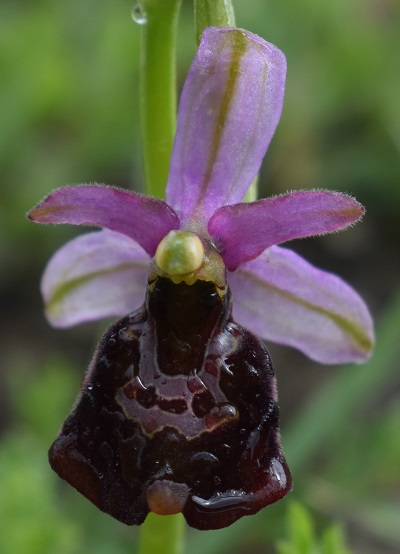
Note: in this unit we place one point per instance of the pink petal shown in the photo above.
(97, 275)
(144, 219)
(243, 231)
(228, 112)
(284, 299)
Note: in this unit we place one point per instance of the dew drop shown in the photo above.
(221, 502)
(220, 414)
(139, 15)
(204, 457)
(278, 471)
(196, 385)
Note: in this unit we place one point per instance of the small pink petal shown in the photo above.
(229, 109)
(144, 219)
(97, 275)
(284, 299)
(243, 231)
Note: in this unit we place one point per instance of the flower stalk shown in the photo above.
(158, 112)
(158, 90)
(158, 122)
(212, 13)
(162, 534)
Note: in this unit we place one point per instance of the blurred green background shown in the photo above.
(69, 114)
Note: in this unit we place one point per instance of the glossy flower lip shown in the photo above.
(229, 108)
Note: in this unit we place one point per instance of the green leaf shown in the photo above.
(333, 541)
(300, 529)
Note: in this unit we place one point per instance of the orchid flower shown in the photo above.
(178, 411)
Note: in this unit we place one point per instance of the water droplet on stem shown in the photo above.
(139, 15)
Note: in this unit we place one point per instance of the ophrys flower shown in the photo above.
(178, 411)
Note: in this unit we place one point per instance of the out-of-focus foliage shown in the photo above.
(37, 514)
(301, 535)
(69, 114)
(30, 519)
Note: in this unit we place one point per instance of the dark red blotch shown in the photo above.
(233, 469)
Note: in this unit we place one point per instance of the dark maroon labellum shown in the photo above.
(178, 413)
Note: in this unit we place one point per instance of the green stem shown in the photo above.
(162, 535)
(158, 90)
(212, 13)
(158, 534)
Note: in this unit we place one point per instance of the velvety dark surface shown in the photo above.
(177, 393)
